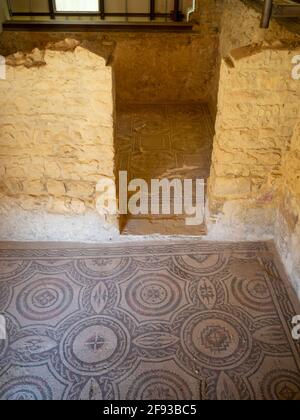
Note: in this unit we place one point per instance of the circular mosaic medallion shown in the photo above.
(102, 268)
(253, 293)
(98, 344)
(153, 295)
(216, 340)
(44, 299)
(281, 385)
(159, 385)
(29, 388)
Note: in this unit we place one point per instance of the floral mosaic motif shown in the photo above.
(99, 297)
(161, 321)
(207, 293)
(215, 338)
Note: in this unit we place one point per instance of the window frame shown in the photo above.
(174, 15)
(76, 10)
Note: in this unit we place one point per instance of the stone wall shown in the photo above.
(239, 26)
(56, 133)
(164, 68)
(56, 142)
(253, 191)
(56, 116)
(287, 231)
(150, 67)
(207, 19)
(258, 107)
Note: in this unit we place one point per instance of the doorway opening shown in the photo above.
(164, 141)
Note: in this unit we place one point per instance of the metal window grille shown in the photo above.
(148, 10)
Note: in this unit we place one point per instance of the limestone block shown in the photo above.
(52, 170)
(80, 189)
(56, 129)
(56, 188)
(34, 187)
(12, 186)
(231, 187)
(228, 170)
(57, 205)
(77, 206)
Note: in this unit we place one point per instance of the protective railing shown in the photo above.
(279, 9)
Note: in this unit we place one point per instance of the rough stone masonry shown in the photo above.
(57, 134)
(255, 175)
(57, 124)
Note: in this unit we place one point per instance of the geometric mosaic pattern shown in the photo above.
(176, 321)
(163, 141)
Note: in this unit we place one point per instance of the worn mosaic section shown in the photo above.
(178, 321)
(163, 142)
(56, 132)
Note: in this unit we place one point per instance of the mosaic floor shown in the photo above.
(163, 141)
(188, 320)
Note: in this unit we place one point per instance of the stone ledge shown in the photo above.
(36, 58)
(248, 51)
